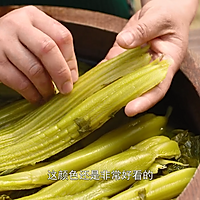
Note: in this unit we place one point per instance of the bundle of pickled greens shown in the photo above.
(45, 153)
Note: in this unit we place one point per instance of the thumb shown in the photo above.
(140, 31)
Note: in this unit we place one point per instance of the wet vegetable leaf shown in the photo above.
(189, 145)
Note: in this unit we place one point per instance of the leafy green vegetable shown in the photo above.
(189, 145)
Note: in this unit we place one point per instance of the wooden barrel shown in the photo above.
(94, 34)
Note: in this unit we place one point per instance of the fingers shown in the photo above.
(141, 29)
(16, 80)
(32, 68)
(46, 50)
(149, 99)
(114, 51)
(172, 48)
(62, 37)
(162, 27)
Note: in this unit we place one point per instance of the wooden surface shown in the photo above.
(78, 16)
(109, 26)
(191, 192)
(191, 68)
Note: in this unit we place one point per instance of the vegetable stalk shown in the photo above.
(84, 118)
(92, 81)
(107, 145)
(15, 111)
(163, 188)
(132, 159)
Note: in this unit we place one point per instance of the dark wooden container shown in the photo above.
(94, 33)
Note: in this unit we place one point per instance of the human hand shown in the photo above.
(34, 51)
(165, 25)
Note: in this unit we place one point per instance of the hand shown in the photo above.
(34, 51)
(165, 25)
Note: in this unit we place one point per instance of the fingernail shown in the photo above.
(127, 37)
(66, 87)
(74, 75)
